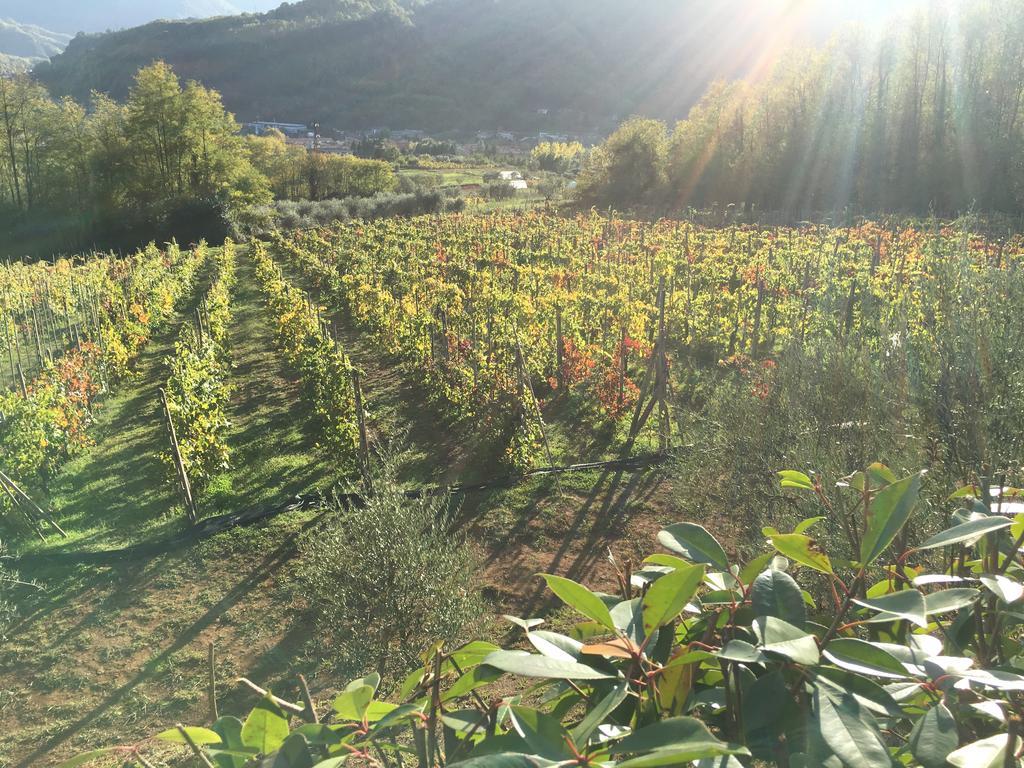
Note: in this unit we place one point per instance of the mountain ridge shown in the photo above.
(73, 16)
(446, 65)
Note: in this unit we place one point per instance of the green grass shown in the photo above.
(447, 177)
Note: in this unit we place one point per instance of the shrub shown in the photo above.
(702, 658)
(389, 578)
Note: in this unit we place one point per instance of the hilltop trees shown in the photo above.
(556, 156)
(925, 119)
(629, 168)
(297, 174)
(169, 154)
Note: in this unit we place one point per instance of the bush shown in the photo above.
(307, 214)
(388, 579)
(827, 407)
(702, 658)
(499, 190)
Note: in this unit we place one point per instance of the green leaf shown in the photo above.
(726, 761)
(858, 656)
(668, 561)
(265, 728)
(805, 525)
(629, 619)
(848, 731)
(991, 678)
(477, 677)
(766, 706)
(678, 739)
(398, 715)
(200, 736)
(881, 474)
(596, 716)
(792, 479)
(693, 542)
(967, 492)
(667, 596)
(934, 737)
(580, 598)
(1006, 589)
(751, 570)
(504, 760)
(532, 665)
(775, 593)
(542, 732)
(294, 753)
(319, 734)
(741, 652)
(465, 721)
(782, 638)
(555, 645)
(948, 600)
(230, 731)
(867, 692)
(907, 604)
(526, 624)
(333, 762)
(984, 753)
(352, 703)
(473, 652)
(889, 512)
(970, 532)
(86, 757)
(802, 549)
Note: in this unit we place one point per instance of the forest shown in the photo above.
(697, 444)
(166, 163)
(444, 65)
(923, 121)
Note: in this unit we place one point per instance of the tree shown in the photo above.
(557, 157)
(629, 168)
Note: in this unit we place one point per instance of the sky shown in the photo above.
(72, 16)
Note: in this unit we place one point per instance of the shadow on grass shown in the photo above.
(121, 490)
(250, 581)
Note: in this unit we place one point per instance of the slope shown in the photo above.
(454, 64)
(22, 45)
(100, 15)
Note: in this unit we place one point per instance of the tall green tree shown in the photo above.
(629, 169)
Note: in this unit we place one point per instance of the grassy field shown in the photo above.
(121, 647)
(446, 177)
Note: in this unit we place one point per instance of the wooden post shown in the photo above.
(755, 338)
(199, 328)
(364, 444)
(559, 347)
(16, 504)
(37, 510)
(526, 386)
(212, 683)
(179, 465)
(622, 366)
(654, 392)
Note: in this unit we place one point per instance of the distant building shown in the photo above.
(510, 176)
(495, 136)
(260, 127)
(408, 135)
